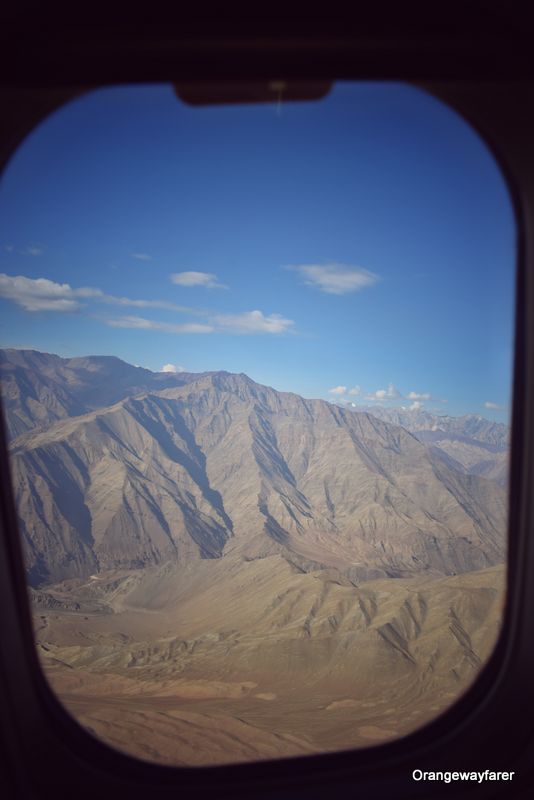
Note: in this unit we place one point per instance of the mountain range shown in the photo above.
(40, 388)
(471, 443)
(221, 572)
(220, 464)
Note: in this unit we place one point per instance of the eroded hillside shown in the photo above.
(224, 465)
(234, 660)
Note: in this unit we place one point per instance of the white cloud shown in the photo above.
(338, 390)
(172, 368)
(335, 278)
(205, 279)
(388, 395)
(248, 322)
(141, 323)
(415, 406)
(42, 294)
(493, 406)
(391, 393)
(252, 322)
(126, 301)
(141, 256)
(32, 251)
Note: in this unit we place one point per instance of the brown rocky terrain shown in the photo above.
(221, 572)
(224, 465)
(41, 388)
(231, 660)
(473, 444)
(470, 427)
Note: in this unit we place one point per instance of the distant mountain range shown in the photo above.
(471, 443)
(433, 427)
(116, 467)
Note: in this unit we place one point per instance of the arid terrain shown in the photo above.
(226, 662)
(221, 572)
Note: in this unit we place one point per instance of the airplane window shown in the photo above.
(256, 377)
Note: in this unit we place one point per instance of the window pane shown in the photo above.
(256, 379)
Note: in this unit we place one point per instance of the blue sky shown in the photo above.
(364, 242)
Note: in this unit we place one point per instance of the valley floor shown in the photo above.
(223, 662)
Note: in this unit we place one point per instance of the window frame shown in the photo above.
(46, 750)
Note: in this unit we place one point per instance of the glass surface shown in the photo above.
(256, 377)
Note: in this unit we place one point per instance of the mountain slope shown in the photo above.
(471, 427)
(475, 445)
(40, 388)
(224, 465)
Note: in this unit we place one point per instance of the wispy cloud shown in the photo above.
(248, 322)
(494, 406)
(32, 250)
(338, 390)
(141, 256)
(140, 323)
(42, 294)
(253, 322)
(390, 396)
(206, 280)
(127, 301)
(172, 368)
(335, 278)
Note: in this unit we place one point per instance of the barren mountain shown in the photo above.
(474, 445)
(471, 426)
(223, 572)
(224, 465)
(40, 388)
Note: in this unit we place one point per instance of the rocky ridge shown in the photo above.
(223, 465)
